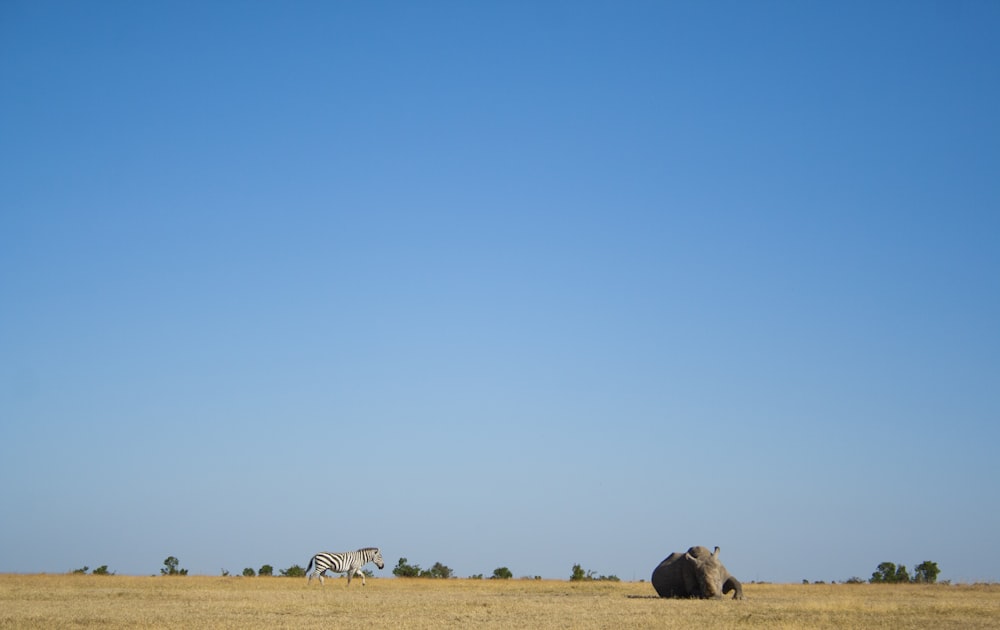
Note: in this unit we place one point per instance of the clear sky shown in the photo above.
(500, 284)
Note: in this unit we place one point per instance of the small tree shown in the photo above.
(902, 575)
(439, 571)
(266, 570)
(579, 575)
(884, 574)
(81, 571)
(248, 572)
(501, 573)
(293, 571)
(926, 572)
(404, 569)
(102, 570)
(889, 573)
(170, 567)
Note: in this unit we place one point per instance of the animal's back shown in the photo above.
(668, 578)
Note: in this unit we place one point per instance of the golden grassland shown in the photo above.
(70, 601)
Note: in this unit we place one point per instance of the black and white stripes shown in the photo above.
(349, 562)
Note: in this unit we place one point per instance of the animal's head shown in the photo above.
(708, 570)
(377, 558)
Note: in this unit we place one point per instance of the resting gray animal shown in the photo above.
(695, 573)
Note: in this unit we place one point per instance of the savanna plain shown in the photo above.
(72, 601)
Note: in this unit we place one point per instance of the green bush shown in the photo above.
(293, 571)
(501, 573)
(404, 569)
(889, 573)
(926, 572)
(170, 567)
(101, 570)
(579, 575)
(440, 571)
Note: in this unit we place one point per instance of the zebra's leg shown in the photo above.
(361, 574)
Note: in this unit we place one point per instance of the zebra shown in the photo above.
(349, 562)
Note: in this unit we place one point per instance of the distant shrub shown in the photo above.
(579, 575)
(266, 570)
(293, 571)
(889, 573)
(405, 569)
(248, 572)
(170, 567)
(501, 573)
(926, 572)
(101, 570)
(439, 571)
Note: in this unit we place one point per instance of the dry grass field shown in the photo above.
(70, 601)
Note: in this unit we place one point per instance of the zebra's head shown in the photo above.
(376, 557)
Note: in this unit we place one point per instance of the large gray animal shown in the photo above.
(695, 573)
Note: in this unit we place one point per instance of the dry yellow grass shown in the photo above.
(68, 601)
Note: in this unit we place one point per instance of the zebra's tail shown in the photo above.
(310, 565)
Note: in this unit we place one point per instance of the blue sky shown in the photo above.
(500, 284)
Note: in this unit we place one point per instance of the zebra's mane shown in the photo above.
(368, 549)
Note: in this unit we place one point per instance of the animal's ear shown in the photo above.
(716, 554)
